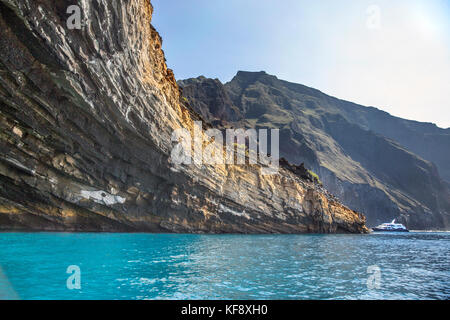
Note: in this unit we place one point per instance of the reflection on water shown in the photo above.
(167, 266)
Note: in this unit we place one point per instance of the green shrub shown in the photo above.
(315, 177)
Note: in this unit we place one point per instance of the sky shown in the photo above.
(393, 55)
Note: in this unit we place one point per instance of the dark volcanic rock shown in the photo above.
(86, 122)
(372, 161)
(209, 98)
(300, 170)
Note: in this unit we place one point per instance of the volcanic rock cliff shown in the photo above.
(86, 121)
(384, 166)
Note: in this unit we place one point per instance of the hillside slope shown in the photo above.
(363, 155)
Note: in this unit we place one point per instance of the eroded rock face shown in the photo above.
(364, 156)
(209, 98)
(86, 122)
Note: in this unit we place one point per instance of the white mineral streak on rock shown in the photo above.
(19, 165)
(17, 132)
(236, 213)
(102, 197)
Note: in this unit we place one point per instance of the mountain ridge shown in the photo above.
(331, 123)
(356, 104)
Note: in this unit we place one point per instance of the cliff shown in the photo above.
(384, 166)
(86, 122)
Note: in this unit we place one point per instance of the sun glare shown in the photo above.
(426, 20)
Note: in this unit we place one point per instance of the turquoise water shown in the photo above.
(170, 266)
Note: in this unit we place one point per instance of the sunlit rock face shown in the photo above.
(86, 122)
(384, 166)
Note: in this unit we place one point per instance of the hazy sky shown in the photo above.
(394, 55)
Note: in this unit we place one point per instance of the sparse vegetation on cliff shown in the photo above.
(315, 177)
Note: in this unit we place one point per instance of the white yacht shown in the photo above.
(392, 227)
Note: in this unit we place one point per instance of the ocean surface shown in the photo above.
(173, 266)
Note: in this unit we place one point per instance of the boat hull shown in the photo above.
(386, 230)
